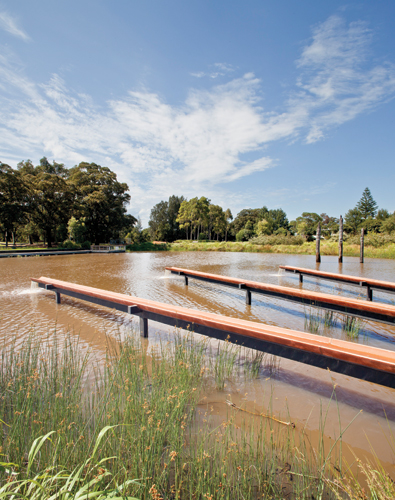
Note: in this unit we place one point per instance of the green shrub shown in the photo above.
(278, 239)
(372, 239)
(70, 245)
(243, 235)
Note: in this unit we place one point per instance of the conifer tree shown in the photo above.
(367, 205)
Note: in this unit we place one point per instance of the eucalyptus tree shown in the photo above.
(49, 195)
(13, 204)
(159, 221)
(217, 220)
(228, 218)
(101, 200)
(307, 223)
(163, 219)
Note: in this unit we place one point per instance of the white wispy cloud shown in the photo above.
(9, 24)
(216, 70)
(199, 146)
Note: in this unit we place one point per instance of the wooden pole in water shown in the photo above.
(362, 246)
(317, 244)
(341, 240)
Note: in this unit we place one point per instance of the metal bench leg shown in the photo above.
(144, 327)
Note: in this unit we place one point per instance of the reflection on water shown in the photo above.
(298, 389)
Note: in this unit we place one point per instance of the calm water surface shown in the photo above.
(298, 390)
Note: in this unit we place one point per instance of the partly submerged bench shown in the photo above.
(359, 361)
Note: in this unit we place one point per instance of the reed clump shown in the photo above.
(318, 320)
(130, 427)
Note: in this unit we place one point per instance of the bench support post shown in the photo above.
(144, 327)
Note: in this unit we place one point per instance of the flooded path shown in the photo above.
(300, 392)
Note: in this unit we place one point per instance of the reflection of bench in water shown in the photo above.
(108, 248)
(385, 313)
(368, 283)
(359, 361)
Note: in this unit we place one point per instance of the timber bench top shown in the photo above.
(362, 355)
(340, 277)
(373, 307)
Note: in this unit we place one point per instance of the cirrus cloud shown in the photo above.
(198, 146)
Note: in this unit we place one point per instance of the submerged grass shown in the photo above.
(352, 326)
(132, 428)
(317, 320)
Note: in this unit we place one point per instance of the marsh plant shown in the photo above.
(352, 326)
(129, 427)
(315, 321)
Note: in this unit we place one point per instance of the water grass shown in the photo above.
(130, 426)
(352, 326)
(317, 320)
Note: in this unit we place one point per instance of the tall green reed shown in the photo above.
(149, 401)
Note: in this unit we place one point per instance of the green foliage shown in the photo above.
(352, 220)
(76, 229)
(243, 235)
(278, 239)
(276, 219)
(307, 223)
(159, 221)
(371, 225)
(147, 246)
(329, 225)
(70, 245)
(101, 200)
(388, 225)
(382, 214)
(367, 206)
(49, 195)
(13, 193)
(363, 215)
(252, 215)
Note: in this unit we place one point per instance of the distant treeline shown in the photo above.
(87, 204)
(199, 219)
(50, 202)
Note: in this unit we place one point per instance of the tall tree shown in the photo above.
(217, 221)
(367, 206)
(50, 196)
(101, 199)
(159, 221)
(184, 218)
(353, 220)
(228, 218)
(174, 207)
(307, 223)
(246, 215)
(12, 200)
(163, 219)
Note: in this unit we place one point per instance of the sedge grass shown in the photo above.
(136, 418)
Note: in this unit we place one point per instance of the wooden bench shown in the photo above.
(359, 361)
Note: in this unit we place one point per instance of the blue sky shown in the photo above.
(250, 103)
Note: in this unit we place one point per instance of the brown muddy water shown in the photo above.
(305, 395)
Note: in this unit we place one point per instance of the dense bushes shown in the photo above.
(278, 239)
